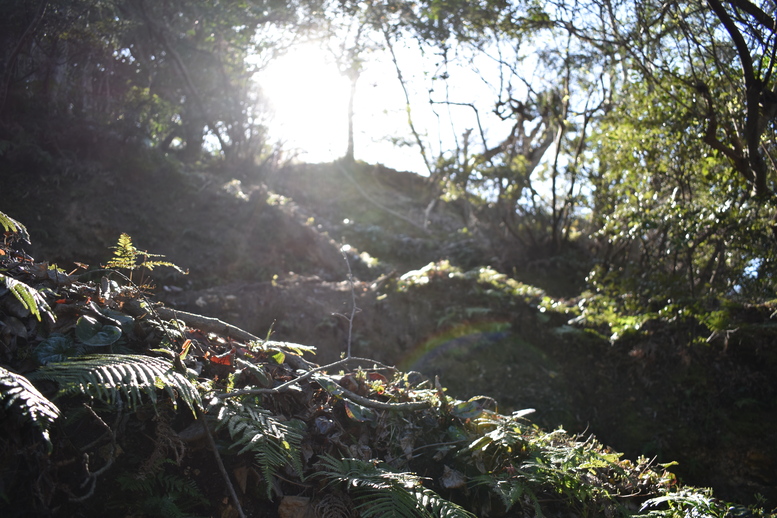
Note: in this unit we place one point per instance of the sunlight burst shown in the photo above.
(309, 98)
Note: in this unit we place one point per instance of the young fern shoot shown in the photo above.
(126, 256)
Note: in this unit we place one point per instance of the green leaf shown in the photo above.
(108, 377)
(298, 349)
(18, 394)
(57, 348)
(328, 384)
(279, 357)
(126, 322)
(11, 225)
(468, 409)
(274, 443)
(258, 372)
(358, 412)
(93, 333)
(30, 298)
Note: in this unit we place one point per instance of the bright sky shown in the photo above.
(310, 100)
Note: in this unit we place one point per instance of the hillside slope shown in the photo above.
(430, 295)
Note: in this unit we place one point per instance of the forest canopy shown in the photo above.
(641, 132)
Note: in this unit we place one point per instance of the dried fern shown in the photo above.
(18, 394)
(108, 377)
(274, 443)
(381, 492)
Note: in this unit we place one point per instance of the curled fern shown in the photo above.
(108, 377)
(18, 394)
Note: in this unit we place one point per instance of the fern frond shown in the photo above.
(389, 502)
(382, 492)
(16, 392)
(31, 299)
(439, 506)
(274, 443)
(11, 225)
(108, 377)
(126, 256)
(160, 494)
(510, 490)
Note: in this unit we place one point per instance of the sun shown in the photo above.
(309, 99)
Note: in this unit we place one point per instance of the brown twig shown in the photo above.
(213, 325)
(217, 326)
(371, 403)
(220, 463)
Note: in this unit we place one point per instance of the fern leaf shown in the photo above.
(153, 264)
(439, 506)
(31, 299)
(11, 225)
(161, 494)
(108, 377)
(389, 502)
(275, 444)
(382, 492)
(125, 254)
(18, 393)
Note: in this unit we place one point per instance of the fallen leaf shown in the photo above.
(452, 479)
(295, 507)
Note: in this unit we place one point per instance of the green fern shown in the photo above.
(126, 256)
(11, 225)
(108, 377)
(31, 299)
(274, 443)
(17, 393)
(381, 492)
(159, 495)
(511, 489)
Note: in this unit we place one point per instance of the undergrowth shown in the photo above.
(354, 435)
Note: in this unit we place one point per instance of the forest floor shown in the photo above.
(266, 256)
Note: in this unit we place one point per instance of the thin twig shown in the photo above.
(284, 386)
(353, 303)
(381, 405)
(91, 476)
(220, 463)
(384, 405)
(216, 325)
(213, 325)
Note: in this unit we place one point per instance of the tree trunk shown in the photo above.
(349, 152)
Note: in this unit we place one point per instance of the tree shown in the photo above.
(164, 73)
